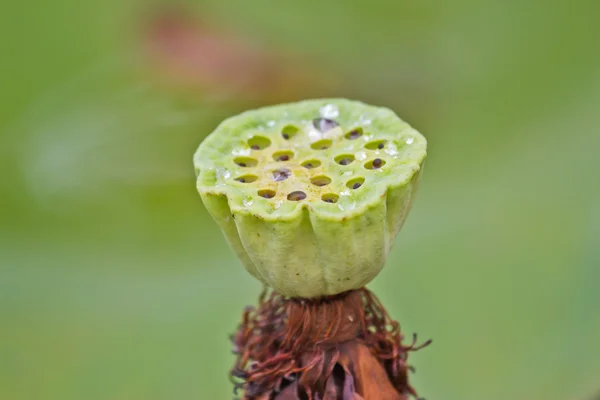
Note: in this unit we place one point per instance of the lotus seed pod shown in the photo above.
(310, 195)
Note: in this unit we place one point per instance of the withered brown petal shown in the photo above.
(370, 378)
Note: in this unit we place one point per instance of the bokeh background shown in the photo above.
(115, 283)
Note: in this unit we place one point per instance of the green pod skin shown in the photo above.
(311, 195)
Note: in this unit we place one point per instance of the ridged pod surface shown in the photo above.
(310, 195)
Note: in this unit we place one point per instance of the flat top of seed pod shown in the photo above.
(335, 157)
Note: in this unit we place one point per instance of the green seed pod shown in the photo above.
(311, 195)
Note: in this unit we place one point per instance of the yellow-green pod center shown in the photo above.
(311, 195)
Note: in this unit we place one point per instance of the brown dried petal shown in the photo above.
(370, 378)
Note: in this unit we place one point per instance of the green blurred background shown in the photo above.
(115, 283)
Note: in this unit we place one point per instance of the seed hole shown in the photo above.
(344, 159)
(245, 161)
(375, 145)
(289, 131)
(296, 196)
(354, 134)
(310, 164)
(246, 178)
(283, 155)
(281, 174)
(321, 144)
(375, 164)
(321, 180)
(259, 143)
(330, 198)
(267, 193)
(355, 183)
(324, 124)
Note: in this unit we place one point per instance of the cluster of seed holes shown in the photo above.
(259, 143)
(375, 145)
(284, 155)
(330, 198)
(267, 193)
(354, 134)
(245, 161)
(289, 131)
(296, 196)
(246, 178)
(375, 164)
(281, 174)
(321, 180)
(310, 164)
(321, 144)
(355, 183)
(344, 159)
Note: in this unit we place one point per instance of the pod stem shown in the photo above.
(338, 347)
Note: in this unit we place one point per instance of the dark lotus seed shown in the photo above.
(320, 180)
(280, 174)
(324, 124)
(266, 193)
(377, 163)
(358, 182)
(245, 161)
(309, 164)
(375, 145)
(354, 134)
(246, 178)
(321, 144)
(330, 198)
(296, 196)
(282, 155)
(344, 159)
(259, 142)
(289, 131)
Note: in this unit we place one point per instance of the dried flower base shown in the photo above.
(342, 347)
